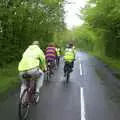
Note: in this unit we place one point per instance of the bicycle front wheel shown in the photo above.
(24, 106)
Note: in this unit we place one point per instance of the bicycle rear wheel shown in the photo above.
(24, 106)
(67, 77)
(48, 77)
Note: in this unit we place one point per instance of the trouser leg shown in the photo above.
(23, 84)
(65, 68)
(72, 64)
(58, 59)
(39, 83)
(23, 87)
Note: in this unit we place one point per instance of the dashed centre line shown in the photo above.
(82, 100)
(82, 104)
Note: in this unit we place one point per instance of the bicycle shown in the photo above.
(49, 71)
(51, 66)
(27, 98)
(68, 70)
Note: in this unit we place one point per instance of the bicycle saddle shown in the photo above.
(27, 76)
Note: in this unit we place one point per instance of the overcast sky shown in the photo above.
(72, 8)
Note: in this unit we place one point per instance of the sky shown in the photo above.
(72, 8)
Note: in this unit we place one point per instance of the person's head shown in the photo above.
(51, 45)
(69, 45)
(35, 43)
(57, 46)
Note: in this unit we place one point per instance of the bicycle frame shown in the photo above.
(27, 98)
(68, 70)
(48, 71)
(31, 85)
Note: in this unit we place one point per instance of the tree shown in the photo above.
(103, 16)
(23, 21)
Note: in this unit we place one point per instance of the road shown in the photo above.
(92, 94)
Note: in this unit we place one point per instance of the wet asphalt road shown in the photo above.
(92, 94)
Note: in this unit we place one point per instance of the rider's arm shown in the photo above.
(42, 60)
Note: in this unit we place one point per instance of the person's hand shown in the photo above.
(45, 70)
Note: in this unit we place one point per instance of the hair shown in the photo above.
(51, 44)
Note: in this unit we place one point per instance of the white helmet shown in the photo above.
(35, 43)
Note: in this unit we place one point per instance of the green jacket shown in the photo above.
(58, 51)
(32, 57)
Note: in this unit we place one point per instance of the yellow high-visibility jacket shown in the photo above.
(32, 57)
(69, 55)
(58, 51)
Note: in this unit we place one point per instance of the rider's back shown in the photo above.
(31, 58)
(50, 53)
(69, 55)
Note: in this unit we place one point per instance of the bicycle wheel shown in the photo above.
(68, 71)
(47, 76)
(67, 77)
(34, 96)
(24, 106)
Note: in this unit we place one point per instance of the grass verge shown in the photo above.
(8, 80)
(113, 64)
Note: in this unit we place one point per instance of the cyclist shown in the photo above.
(69, 57)
(74, 49)
(32, 63)
(58, 50)
(51, 54)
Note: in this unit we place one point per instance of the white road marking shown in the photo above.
(82, 101)
(81, 69)
(82, 104)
